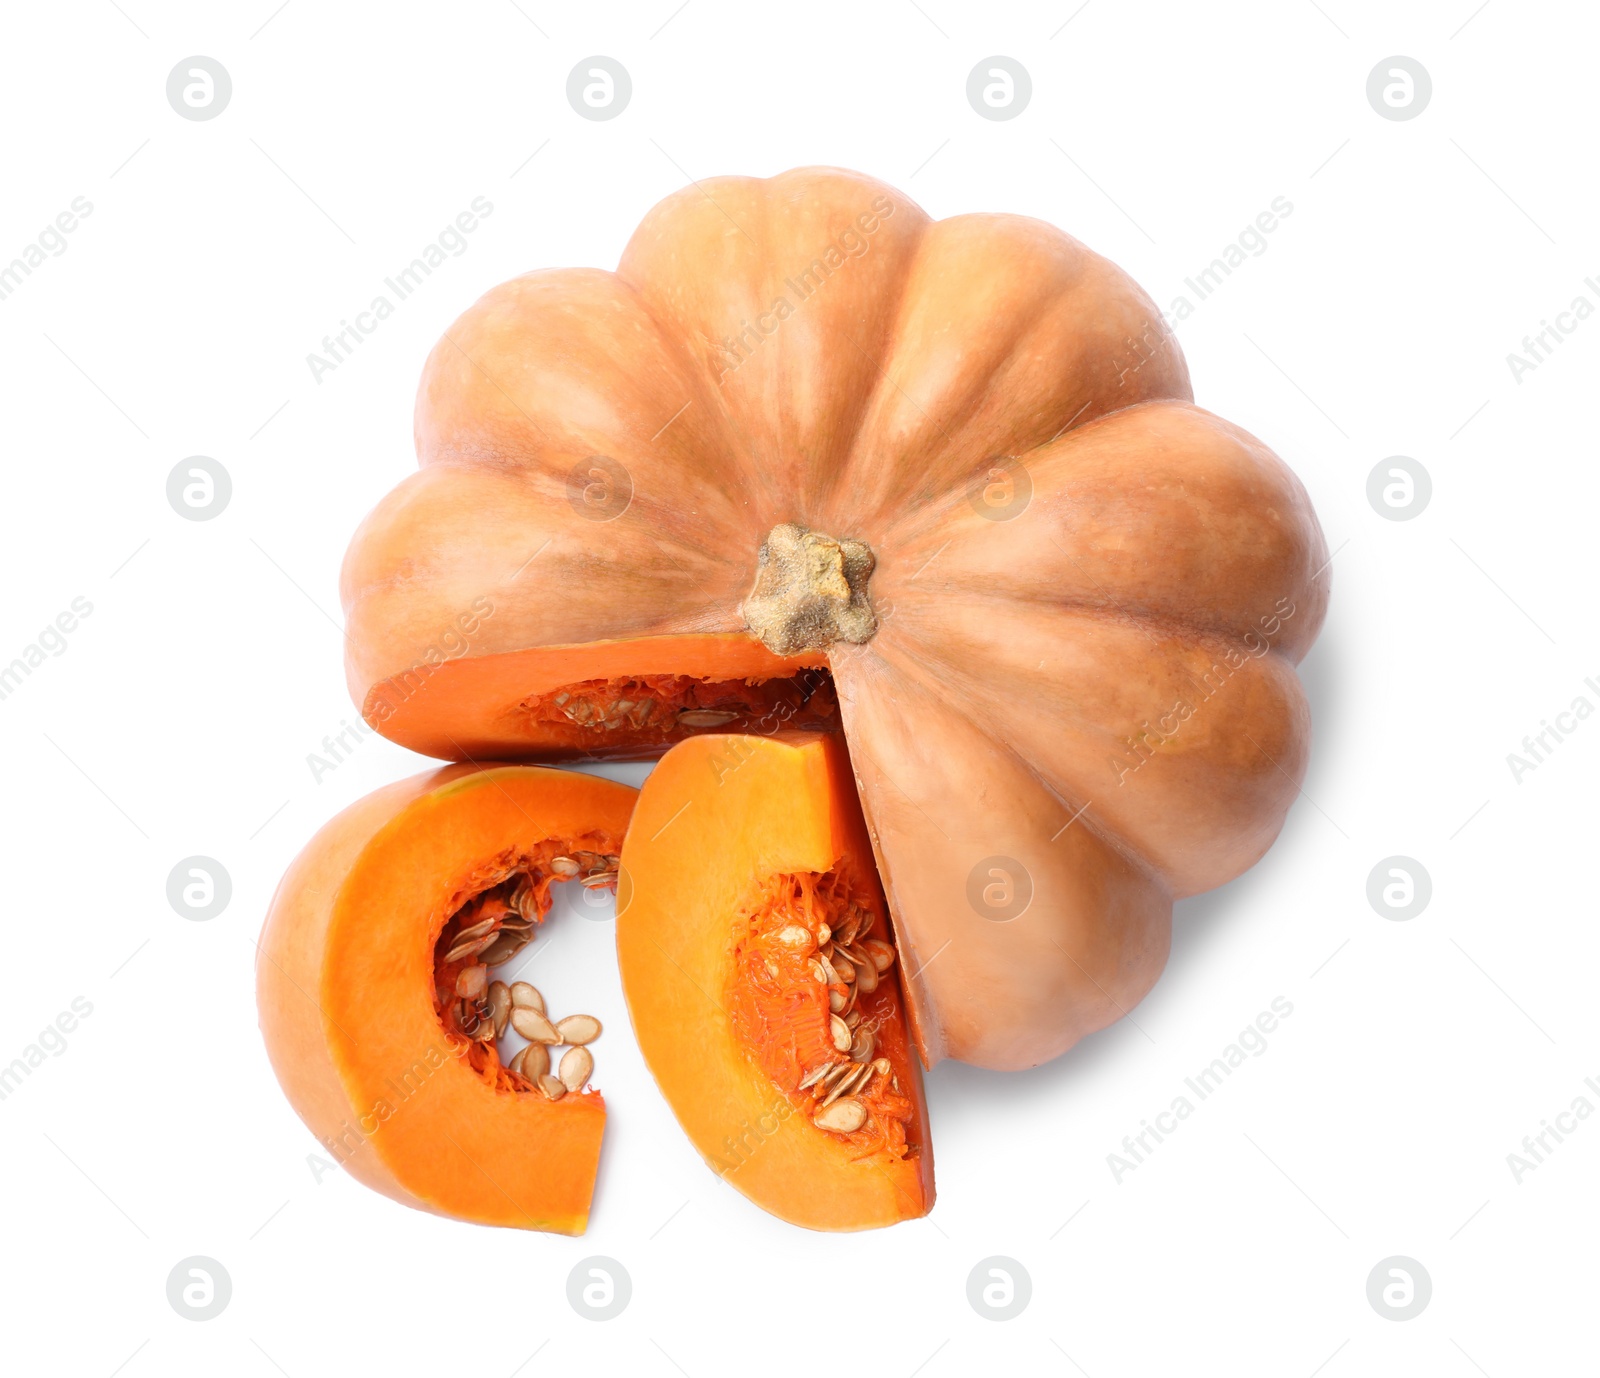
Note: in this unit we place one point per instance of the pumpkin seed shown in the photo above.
(505, 946)
(460, 951)
(578, 1029)
(598, 879)
(843, 965)
(825, 965)
(526, 997)
(834, 1088)
(824, 934)
(553, 1089)
(837, 1001)
(515, 1065)
(535, 1061)
(499, 1006)
(841, 1033)
(863, 1046)
(881, 953)
(815, 1075)
(880, 1065)
(477, 930)
(704, 717)
(577, 1066)
(845, 934)
(866, 972)
(817, 973)
(483, 1030)
(534, 1027)
(795, 935)
(842, 1117)
(471, 982)
(563, 865)
(855, 1077)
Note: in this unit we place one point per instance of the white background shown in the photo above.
(179, 717)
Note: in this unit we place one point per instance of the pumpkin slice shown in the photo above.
(763, 983)
(373, 987)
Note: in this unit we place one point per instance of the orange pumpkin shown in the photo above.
(810, 459)
(375, 1005)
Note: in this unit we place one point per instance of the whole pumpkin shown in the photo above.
(809, 458)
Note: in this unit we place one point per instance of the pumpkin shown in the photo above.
(373, 990)
(752, 938)
(811, 460)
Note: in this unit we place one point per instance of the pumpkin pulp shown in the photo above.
(791, 986)
(762, 981)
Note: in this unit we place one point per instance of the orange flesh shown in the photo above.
(349, 1007)
(779, 1009)
(473, 706)
(735, 838)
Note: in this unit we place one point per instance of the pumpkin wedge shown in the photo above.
(762, 980)
(810, 458)
(372, 983)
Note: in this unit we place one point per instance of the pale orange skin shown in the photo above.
(1022, 668)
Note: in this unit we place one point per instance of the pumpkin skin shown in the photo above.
(1086, 699)
(717, 818)
(345, 992)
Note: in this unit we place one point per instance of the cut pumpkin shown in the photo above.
(762, 980)
(374, 999)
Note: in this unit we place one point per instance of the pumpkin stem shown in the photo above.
(810, 591)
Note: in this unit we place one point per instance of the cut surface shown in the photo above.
(373, 992)
(762, 980)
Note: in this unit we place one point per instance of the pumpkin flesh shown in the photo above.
(355, 994)
(747, 861)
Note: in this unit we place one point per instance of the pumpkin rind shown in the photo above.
(1093, 681)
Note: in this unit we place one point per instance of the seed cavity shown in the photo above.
(491, 928)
